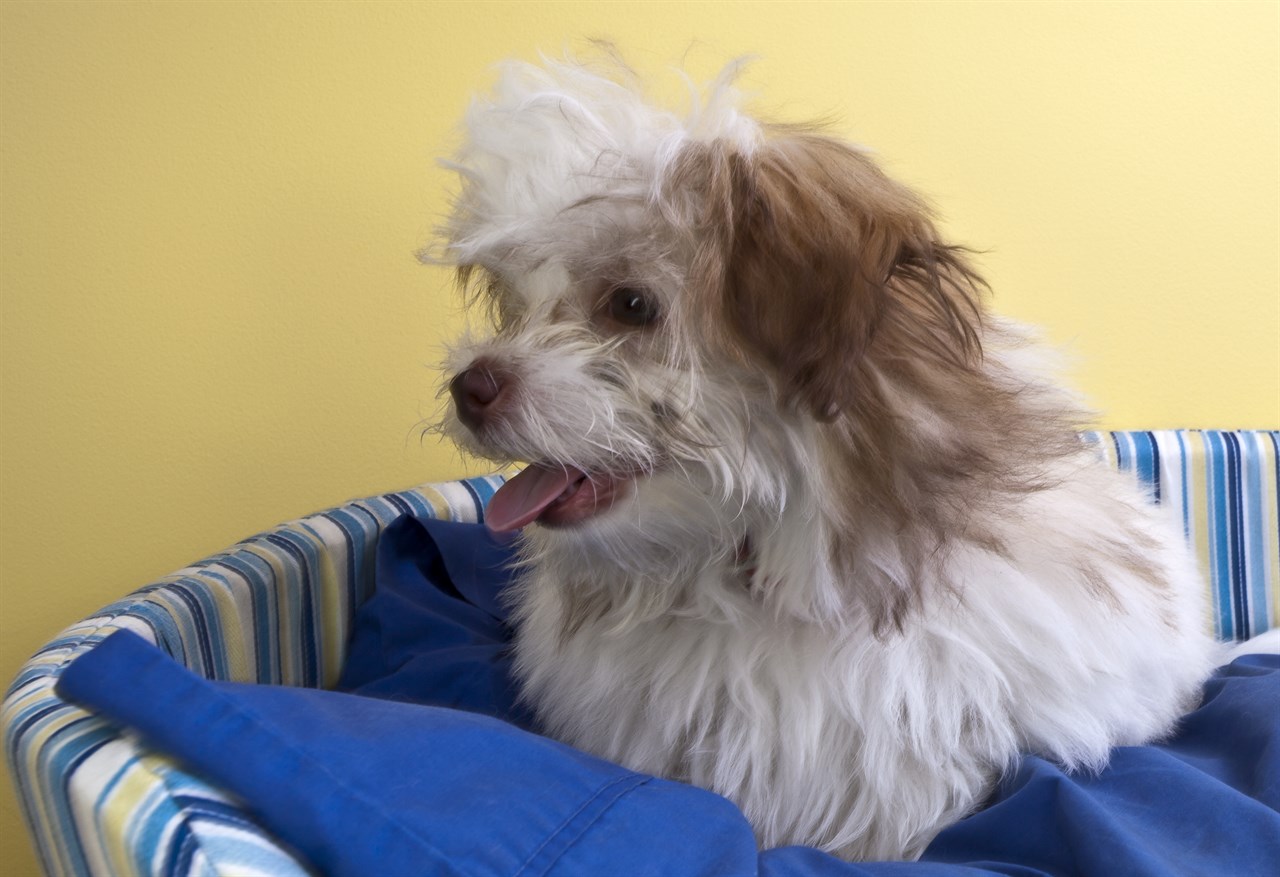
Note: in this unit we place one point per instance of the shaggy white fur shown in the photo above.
(808, 527)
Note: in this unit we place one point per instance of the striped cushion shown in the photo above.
(277, 608)
(1225, 486)
(274, 609)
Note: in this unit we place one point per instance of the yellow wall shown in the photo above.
(212, 318)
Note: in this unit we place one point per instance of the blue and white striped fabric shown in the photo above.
(274, 609)
(277, 609)
(1224, 484)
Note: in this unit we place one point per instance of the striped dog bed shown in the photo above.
(277, 609)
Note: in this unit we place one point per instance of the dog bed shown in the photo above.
(313, 781)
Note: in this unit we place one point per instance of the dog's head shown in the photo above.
(683, 306)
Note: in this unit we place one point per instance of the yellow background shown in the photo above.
(213, 320)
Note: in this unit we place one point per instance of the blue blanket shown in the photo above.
(424, 763)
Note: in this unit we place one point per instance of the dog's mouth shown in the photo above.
(554, 496)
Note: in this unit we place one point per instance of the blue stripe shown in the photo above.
(183, 846)
(349, 575)
(26, 790)
(355, 530)
(413, 504)
(202, 627)
(1273, 611)
(306, 597)
(144, 834)
(475, 496)
(1251, 531)
(229, 576)
(163, 626)
(1239, 584)
(1218, 519)
(1186, 484)
(399, 502)
(1137, 453)
(1154, 464)
(65, 756)
(265, 591)
(484, 489)
(1117, 442)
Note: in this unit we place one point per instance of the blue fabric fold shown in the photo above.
(424, 763)
(365, 786)
(435, 629)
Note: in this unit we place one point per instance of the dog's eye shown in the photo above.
(632, 307)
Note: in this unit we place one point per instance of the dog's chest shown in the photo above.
(691, 693)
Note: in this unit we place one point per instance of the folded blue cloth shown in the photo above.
(425, 764)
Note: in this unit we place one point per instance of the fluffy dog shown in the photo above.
(810, 527)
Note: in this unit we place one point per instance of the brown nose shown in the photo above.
(476, 393)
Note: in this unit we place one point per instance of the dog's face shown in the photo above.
(581, 377)
(680, 307)
(595, 375)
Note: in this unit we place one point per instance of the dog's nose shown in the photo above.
(476, 393)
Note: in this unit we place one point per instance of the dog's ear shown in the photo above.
(810, 258)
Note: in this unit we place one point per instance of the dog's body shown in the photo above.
(813, 530)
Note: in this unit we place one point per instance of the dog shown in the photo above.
(803, 523)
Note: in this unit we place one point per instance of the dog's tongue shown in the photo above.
(522, 499)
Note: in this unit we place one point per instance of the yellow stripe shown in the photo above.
(122, 815)
(1198, 515)
(1107, 447)
(238, 642)
(329, 540)
(439, 505)
(239, 648)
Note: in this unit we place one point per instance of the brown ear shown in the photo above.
(814, 254)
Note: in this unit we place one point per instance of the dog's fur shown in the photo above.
(853, 558)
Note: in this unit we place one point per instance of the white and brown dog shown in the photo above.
(810, 528)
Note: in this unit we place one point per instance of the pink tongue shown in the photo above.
(522, 499)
